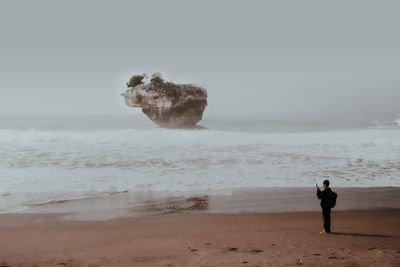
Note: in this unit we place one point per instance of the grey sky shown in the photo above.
(325, 57)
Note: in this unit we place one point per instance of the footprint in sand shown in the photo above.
(193, 249)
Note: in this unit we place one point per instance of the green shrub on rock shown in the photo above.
(156, 78)
(136, 80)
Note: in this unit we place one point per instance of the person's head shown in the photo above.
(326, 183)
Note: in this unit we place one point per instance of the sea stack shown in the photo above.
(167, 104)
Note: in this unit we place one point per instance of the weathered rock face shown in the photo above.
(169, 105)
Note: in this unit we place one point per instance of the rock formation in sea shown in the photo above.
(167, 104)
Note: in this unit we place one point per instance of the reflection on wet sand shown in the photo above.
(173, 205)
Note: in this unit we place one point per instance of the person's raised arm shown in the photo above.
(318, 191)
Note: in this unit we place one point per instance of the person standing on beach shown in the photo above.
(328, 201)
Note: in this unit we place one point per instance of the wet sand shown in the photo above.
(267, 200)
(181, 232)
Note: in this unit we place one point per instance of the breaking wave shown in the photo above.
(395, 124)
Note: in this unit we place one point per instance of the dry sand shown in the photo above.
(188, 238)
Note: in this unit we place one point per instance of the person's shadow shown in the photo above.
(364, 235)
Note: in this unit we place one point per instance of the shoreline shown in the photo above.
(263, 200)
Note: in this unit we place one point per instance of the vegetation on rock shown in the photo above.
(136, 80)
(156, 78)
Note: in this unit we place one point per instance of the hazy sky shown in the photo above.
(296, 57)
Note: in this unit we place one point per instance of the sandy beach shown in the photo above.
(187, 234)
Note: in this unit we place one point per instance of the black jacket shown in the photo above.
(325, 195)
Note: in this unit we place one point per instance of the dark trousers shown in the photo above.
(326, 216)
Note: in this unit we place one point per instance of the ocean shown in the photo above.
(48, 158)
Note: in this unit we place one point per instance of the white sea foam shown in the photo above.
(39, 166)
(395, 124)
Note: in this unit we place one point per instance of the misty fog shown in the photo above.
(267, 57)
